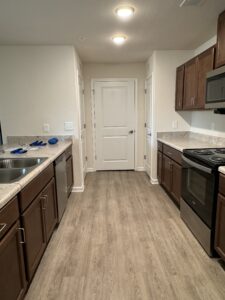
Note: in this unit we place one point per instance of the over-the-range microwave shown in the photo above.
(215, 88)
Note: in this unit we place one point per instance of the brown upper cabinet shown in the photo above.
(191, 81)
(179, 88)
(190, 84)
(205, 64)
(220, 48)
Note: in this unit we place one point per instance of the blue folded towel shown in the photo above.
(38, 144)
(18, 151)
(53, 141)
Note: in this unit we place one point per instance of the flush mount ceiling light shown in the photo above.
(125, 12)
(119, 39)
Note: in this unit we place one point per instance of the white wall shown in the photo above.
(131, 70)
(162, 65)
(38, 85)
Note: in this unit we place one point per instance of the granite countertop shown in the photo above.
(222, 169)
(191, 140)
(51, 152)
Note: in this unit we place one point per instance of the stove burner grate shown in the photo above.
(203, 152)
(220, 151)
(218, 159)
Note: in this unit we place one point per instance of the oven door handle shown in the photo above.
(197, 166)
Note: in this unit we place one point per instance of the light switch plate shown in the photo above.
(175, 124)
(46, 127)
(68, 126)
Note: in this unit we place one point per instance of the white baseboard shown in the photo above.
(140, 169)
(154, 181)
(89, 170)
(78, 189)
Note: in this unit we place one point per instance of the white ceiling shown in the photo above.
(157, 24)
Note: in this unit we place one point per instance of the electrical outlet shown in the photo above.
(46, 128)
(68, 126)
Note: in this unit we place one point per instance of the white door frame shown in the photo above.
(153, 165)
(145, 143)
(93, 81)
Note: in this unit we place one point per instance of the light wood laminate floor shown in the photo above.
(123, 239)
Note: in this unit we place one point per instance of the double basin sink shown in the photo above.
(14, 169)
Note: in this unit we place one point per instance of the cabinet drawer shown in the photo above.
(8, 216)
(30, 192)
(68, 152)
(222, 184)
(160, 147)
(172, 153)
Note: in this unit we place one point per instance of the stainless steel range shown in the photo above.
(199, 192)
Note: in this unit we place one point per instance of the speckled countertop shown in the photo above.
(51, 152)
(191, 140)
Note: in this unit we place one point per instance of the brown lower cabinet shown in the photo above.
(26, 225)
(220, 226)
(69, 169)
(170, 172)
(69, 174)
(159, 166)
(12, 270)
(39, 221)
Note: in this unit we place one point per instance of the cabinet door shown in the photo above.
(179, 88)
(49, 208)
(166, 172)
(205, 63)
(12, 270)
(220, 226)
(33, 223)
(190, 85)
(220, 49)
(159, 166)
(176, 181)
(69, 174)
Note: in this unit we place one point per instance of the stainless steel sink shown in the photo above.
(12, 175)
(14, 169)
(10, 163)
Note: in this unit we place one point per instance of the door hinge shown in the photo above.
(95, 157)
(145, 90)
(94, 125)
(93, 91)
(83, 91)
(145, 125)
(84, 126)
(145, 156)
(86, 158)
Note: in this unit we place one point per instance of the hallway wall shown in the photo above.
(129, 70)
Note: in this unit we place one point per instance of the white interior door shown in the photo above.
(148, 124)
(114, 124)
(83, 125)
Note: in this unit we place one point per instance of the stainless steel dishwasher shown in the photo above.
(61, 184)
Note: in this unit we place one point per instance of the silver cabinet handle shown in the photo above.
(23, 235)
(2, 226)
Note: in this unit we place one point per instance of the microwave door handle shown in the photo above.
(197, 166)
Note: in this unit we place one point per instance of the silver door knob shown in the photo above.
(131, 131)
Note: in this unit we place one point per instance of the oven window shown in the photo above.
(198, 191)
(197, 185)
